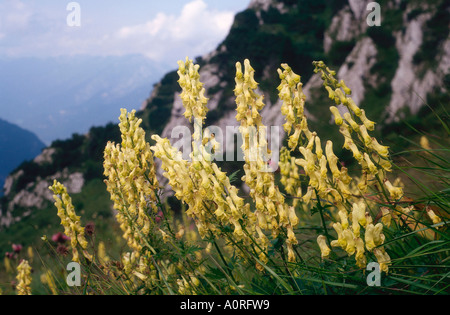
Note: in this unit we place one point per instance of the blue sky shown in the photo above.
(161, 30)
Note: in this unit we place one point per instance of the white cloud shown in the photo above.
(14, 17)
(195, 31)
(42, 31)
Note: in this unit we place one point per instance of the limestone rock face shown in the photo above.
(36, 195)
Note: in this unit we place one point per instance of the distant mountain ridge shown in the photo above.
(58, 96)
(16, 146)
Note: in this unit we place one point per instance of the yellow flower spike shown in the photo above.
(70, 222)
(24, 278)
(324, 249)
(192, 93)
(337, 116)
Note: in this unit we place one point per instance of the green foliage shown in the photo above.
(339, 51)
(158, 109)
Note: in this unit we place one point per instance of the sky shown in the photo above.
(162, 30)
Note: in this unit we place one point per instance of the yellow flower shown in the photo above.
(324, 249)
(380, 149)
(356, 154)
(382, 258)
(343, 215)
(7, 263)
(386, 216)
(24, 278)
(103, 257)
(358, 217)
(371, 167)
(360, 257)
(69, 220)
(332, 159)
(341, 241)
(374, 236)
(345, 88)
(47, 279)
(365, 135)
(370, 125)
(337, 116)
(395, 192)
(352, 106)
(350, 120)
(350, 239)
(433, 216)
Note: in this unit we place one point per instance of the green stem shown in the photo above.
(320, 208)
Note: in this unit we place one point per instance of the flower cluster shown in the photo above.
(374, 161)
(24, 278)
(132, 184)
(213, 202)
(70, 221)
(272, 212)
(329, 181)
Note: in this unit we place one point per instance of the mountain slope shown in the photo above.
(391, 68)
(16, 146)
